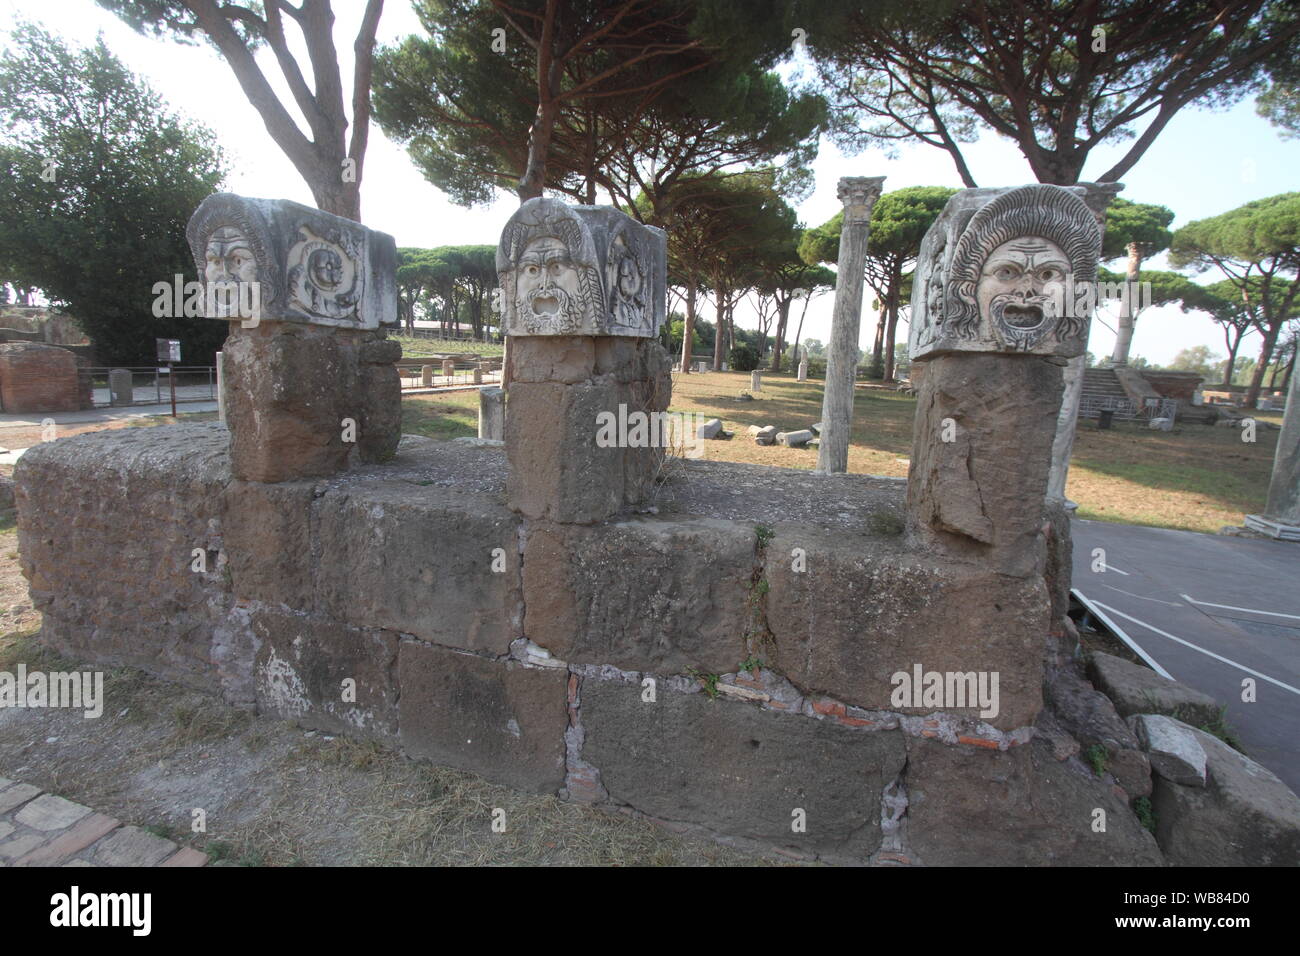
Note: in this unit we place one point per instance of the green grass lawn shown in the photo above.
(416, 347)
(1195, 478)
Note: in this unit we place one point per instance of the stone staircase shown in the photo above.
(1101, 388)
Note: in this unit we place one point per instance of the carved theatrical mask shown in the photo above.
(324, 278)
(304, 265)
(1020, 291)
(228, 261)
(625, 278)
(546, 262)
(997, 272)
(548, 288)
(934, 285)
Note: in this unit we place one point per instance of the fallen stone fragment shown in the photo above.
(1139, 690)
(795, 439)
(709, 429)
(1243, 816)
(1173, 751)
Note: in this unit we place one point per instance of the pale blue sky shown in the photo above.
(1202, 164)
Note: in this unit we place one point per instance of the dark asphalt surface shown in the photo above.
(1211, 610)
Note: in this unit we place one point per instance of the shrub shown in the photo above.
(744, 358)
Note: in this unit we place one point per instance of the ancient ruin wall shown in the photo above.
(599, 662)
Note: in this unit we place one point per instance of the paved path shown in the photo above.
(1210, 610)
(35, 419)
(41, 829)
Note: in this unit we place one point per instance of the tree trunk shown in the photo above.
(1230, 366)
(798, 335)
(688, 329)
(890, 333)
(878, 344)
(549, 70)
(778, 344)
(1265, 354)
(1124, 336)
(720, 320)
(340, 198)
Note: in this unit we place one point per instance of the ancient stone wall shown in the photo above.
(38, 378)
(678, 664)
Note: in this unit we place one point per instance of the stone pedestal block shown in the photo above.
(981, 451)
(803, 371)
(120, 388)
(572, 438)
(448, 368)
(756, 381)
(301, 400)
(426, 375)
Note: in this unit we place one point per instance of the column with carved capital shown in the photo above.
(859, 195)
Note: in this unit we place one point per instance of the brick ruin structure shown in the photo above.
(716, 646)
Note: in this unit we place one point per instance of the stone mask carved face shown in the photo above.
(1019, 290)
(229, 261)
(547, 291)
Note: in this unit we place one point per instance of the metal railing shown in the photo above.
(1124, 409)
(440, 335)
(149, 384)
(462, 374)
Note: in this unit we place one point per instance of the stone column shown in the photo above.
(1281, 516)
(859, 195)
(803, 370)
(492, 413)
(1096, 196)
(448, 368)
(426, 376)
(310, 382)
(991, 347)
(120, 388)
(478, 374)
(1063, 441)
(756, 381)
(221, 390)
(583, 289)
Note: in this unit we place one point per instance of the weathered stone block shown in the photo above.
(557, 469)
(267, 537)
(1004, 270)
(1135, 689)
(1173, 751)
(291, 390)
(127, 592)
(304, 662)
(420, 564)
(740, 770)
(564, 358)
(981, 451)
(863, 611)
(656, 595)
(1243, 816)
(495, 718)
(1090, 718)
(968, 806)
